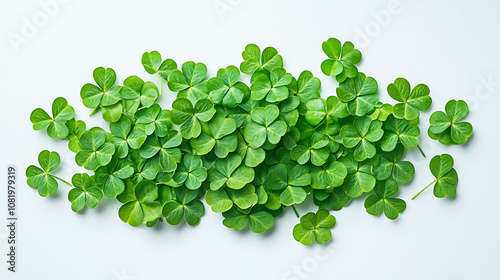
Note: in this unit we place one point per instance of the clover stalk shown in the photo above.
(62, 180)
(295, 211)
(420, 149)
(159, 82)
(413, 197)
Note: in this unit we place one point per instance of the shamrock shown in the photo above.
(257, 219)
(166, 147)
(271, 85)
(225, 88)
(264, 126)
(223, 199)
(85, 192)
(446, 180)
(390, 165)
(253, 157)
(111, 176)
(144, 168)
(331, 174)
(229, 171)
(140, 204)
(138, 94)
(75, 131)
(125, 136)
(217, 135)
(306, 88)
(289, 110)
(330, 198)
(191, 172)
(399, 131)
(95, 150)
(269, 59)
(411, 102)
(360, 94)
(326, 111)
(151, 61)
(447, 128)
(185, 205)
(105, 93)
(190, 83)
(361, 136)
(189, 118)
(313, 147)
(40, 178)
(343, 59)
(314, 226)
(154, 119)
(291, 182)
(382, 111)
(360, 178)
(56, 126)
(383, 201)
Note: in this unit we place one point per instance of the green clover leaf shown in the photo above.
(189, 118)
(306, 88)
(84, 193)
(253, 157)
(185, 206)
(269, 59)
(138, 94)
(290, 182)
(190, 83)
(217, 135)
(445, 184)
(399, 131)
(328, 175)
(264, 126)
(40, 178)
(360, 178)
(140, 205)
(343, 59)
(111, 176)
(330, 198)
(191, 173)
(166, 147)
(226, 89)
(314, 226)
(154, 119)
(412, 102)
(75, 131)
(223, 199)
(229, 171)
(360, 94)
(361, 136)
(257, 219)
(153, 65)
(105, 93)
(271, 85)
(390, 165)
(449, 124)
(56, 126)
(125, 137)
(96, 151)
(383, 201)
(144, 168)
(312, 147)
(326, 112)
(382, 111)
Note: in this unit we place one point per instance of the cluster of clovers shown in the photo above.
(249, 150)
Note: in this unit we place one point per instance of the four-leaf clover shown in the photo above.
(314, 226)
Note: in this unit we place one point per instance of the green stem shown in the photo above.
(423, 189)
(295, 211)
(95, 111)
(62, 180)
(420, 149)
(159, 82)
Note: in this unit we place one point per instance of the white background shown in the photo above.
(452, 46)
